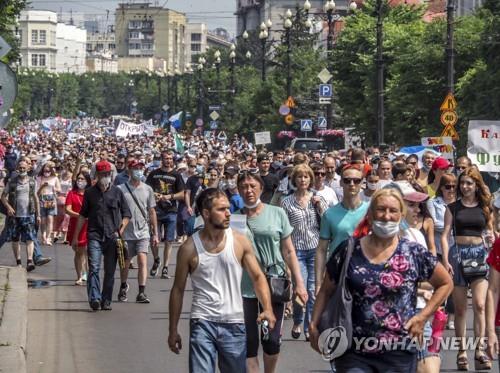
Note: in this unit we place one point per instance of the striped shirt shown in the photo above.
(305, 222)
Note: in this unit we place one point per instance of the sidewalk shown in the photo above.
(13, 319)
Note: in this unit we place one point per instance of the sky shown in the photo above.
(215, 13)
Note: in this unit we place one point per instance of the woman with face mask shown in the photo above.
(74, 201)
(61, 220)
(372, 185)
(48, 188)
(468, 219)
(383, 276)
(269, 230)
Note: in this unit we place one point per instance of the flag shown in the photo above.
(179, 146)
(175, 120)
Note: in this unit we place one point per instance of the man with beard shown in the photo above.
(215, 257)
(107, 212)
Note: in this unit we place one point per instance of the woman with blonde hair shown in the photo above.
(304, 209)
(48, 187)
(468, 218)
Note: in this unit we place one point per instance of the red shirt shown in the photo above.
(494, 262)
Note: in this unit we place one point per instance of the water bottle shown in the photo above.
(265, 330)
(438, 325)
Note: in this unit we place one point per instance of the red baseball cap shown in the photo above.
(440, 163)
(134, 163)
(103, 166)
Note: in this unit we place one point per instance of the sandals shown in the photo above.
(481, 361)
(288, 312)
(462, 361)
(79, 282)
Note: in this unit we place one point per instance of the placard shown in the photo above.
(262, 138)
(483, 144)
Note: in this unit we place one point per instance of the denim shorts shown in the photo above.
(168, 222)
(211, 342)
(460, 252)
(424, 352)
(22, 229)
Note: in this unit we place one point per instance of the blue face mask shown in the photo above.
(200, 169)
(137, 174)
(404, 225)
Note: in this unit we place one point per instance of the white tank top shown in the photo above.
(216, 284)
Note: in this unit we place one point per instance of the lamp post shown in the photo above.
(130, 86)
(329, 8)
(177, 74)
(287, 24)
(450, 53)
(189, 72)
(217, 69)
(201, 63)
(264, 33)
(380, 76)
(232, 62)
(159, 75)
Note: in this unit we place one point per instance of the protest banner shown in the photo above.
(262, 138)
(125, 129)
(483, 144)
(443, 145)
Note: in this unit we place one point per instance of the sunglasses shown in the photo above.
(320, 173)
(349, 181)
(449, 187)
(251, 171)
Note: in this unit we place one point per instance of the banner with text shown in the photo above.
(443, 145)
(125, 129)
(483, 144)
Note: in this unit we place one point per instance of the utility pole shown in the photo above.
(380, 75)
(450, 52)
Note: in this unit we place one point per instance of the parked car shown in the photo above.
(307, 144)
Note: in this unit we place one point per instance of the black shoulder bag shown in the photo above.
(143, 213)
(338, 311)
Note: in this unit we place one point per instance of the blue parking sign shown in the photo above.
(325, 90)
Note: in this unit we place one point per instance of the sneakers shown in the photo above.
(154, 268)
(142, 298)
(30, 266)
(42, 260)
(164, 273)
(122, 294)
(95, 305)
(106, 305)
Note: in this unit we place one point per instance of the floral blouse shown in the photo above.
(385, 294)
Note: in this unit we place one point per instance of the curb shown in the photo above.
(14, 327)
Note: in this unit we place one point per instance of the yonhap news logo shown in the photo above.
(333, 342)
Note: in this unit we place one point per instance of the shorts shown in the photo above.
(137, 246)
(424, 352)
(168, 222)
(21, 229)
(44, 212)
(460, 252)
(272, 346)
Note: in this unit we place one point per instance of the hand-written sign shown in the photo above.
(443, 145)
(483, 146)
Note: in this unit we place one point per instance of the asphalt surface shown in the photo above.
(65, 337)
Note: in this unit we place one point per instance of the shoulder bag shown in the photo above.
(143, 213)
(338, 311)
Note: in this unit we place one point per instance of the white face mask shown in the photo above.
(81, 184)
(231, 184)
(254, 205)
(385, 229)
(372, 186)
(105, 182)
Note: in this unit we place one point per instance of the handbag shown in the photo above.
(473, 268)
(338, 311)
(280, 286)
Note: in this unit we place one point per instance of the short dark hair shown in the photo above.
(357, 154)
(205, 200)
(399, 169)
(248, 175)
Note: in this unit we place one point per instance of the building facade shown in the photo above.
(199, 39)
(37, 32)
(71, 43)
(149, 31)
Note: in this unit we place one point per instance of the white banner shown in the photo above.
(443, 145)
(124, 128)
(262, 138)
(483, 144)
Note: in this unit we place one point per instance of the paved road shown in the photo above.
(65, 337)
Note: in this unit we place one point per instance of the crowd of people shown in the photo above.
(246, 218)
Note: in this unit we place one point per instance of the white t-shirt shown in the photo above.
(414, 235)
(328, 195)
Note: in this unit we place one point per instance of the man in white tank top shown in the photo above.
(215, 258)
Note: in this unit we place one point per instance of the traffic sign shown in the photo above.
(8, 92)
(214, 115)
(290, 102)
(325, 100)
(199, 122)
(4, 47)
(321, 122)
(289, 119)
(165, 107)
(449, 118)
(214, 107)
(325, 90)
(449, 103)
(213, 125)
(449, 131)
(324, 75)
(189, 123)
(306, 125)
(284, 110)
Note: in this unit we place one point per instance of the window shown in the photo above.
(34, 60)
(134, 24)
(134, 46)
(111, 46)
(147, 46)
(195, 37)
(43, 37)
(195, 47)
(99, 47)
(134, 35)
(34, 36)
(41, 59)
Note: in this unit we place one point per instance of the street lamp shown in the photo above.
(177, 74)
(380, 76)
(287, 24)
(232, 62)
(189, 72)
(130, 86)
(263, 37)
(217, 69)
(329, 8)
(201, 63)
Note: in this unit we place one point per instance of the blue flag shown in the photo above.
(175, 120)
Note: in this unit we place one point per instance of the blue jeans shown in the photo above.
(210, 341)
(306, 263)
(97, 249)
